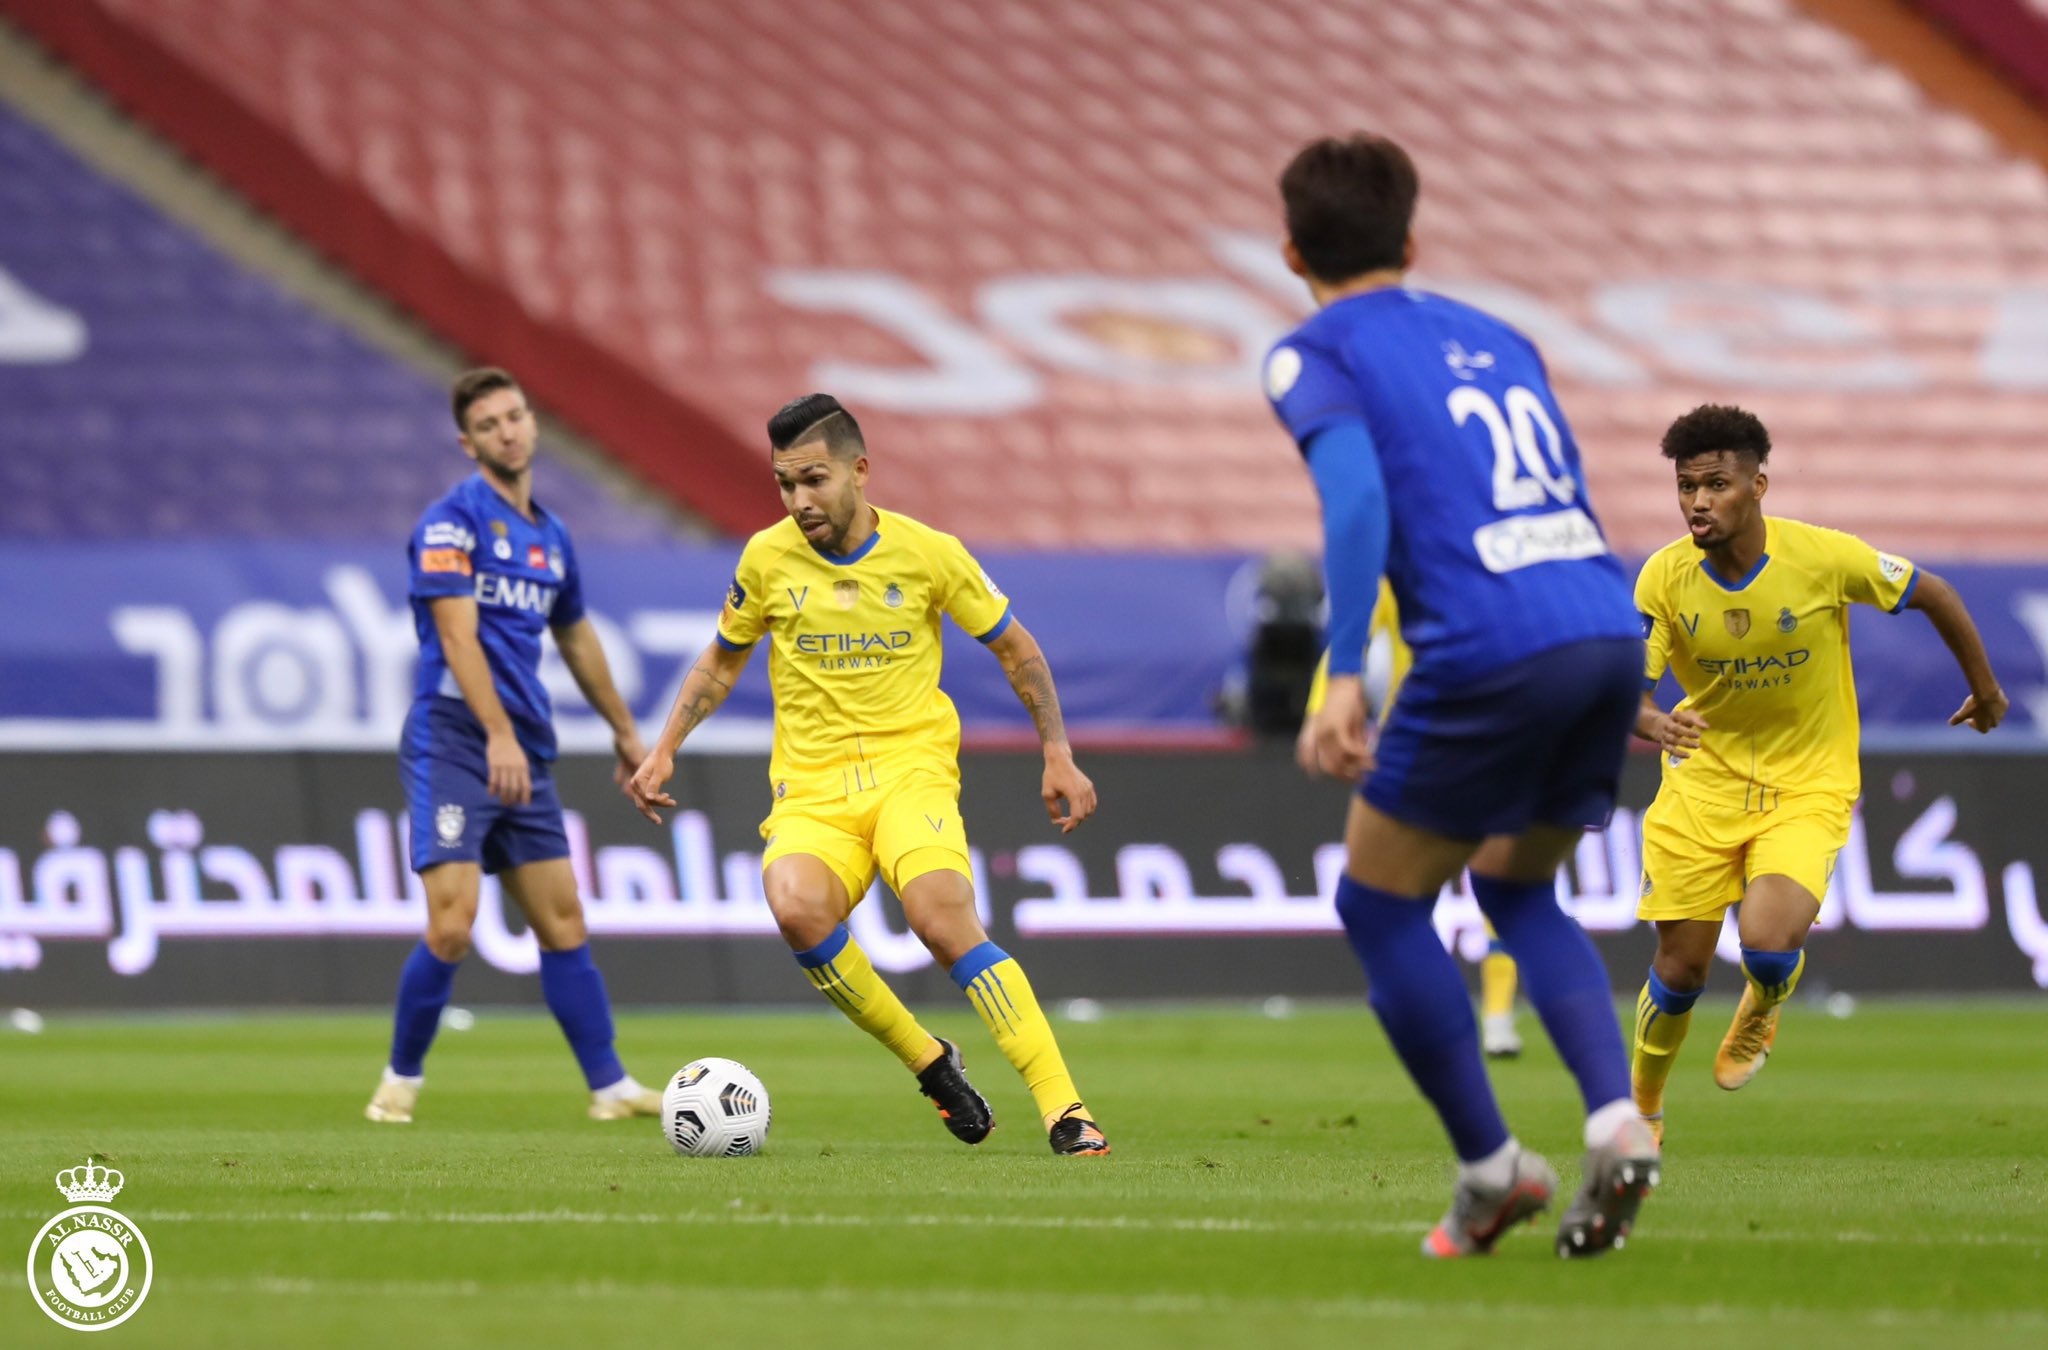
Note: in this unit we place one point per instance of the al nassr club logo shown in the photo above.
(89, 1268)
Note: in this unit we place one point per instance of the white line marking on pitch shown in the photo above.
(1032, 1301)
(1056, 1222)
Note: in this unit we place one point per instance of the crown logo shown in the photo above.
(82, 1185)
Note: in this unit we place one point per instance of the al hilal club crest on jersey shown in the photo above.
(89, 1268)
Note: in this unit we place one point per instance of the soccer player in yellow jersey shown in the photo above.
(866, 767)
(1751, 614)
(1498, 1037)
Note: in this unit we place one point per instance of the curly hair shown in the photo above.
(1717, 426)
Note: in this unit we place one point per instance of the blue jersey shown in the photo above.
(1493, 551)
(523, 575)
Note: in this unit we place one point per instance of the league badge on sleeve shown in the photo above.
(1283, 368)
(447, 534)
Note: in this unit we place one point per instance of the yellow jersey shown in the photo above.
(1386, 622)
(854, 655)
(1766, 661)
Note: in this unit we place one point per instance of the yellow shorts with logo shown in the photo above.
(1700, 856)
(899, 817)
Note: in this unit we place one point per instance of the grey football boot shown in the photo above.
(1620, 1174)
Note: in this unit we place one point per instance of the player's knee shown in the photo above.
(939, 906)
(1682, 971)
(950, 933)
(1779, 933)
(561, 932)
(448, 937)
(805, 927)
(805, 916)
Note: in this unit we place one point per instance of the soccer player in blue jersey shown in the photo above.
(491, 568)
(1443, 462)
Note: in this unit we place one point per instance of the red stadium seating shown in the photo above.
(620, 191)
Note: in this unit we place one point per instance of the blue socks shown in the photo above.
(1415, 988)
(1669, 1001)
(423, 989)
(574, 991)
(1565, 980)
(568, 980)
(1770, 969)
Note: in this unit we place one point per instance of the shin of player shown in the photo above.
(491, 568)
(1506, 740)
(1750, 613)
(866, 765)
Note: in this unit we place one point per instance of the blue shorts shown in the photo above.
(447, 790)
(1539, 742)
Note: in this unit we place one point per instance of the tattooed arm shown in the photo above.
(1064, 785)
(704, 688)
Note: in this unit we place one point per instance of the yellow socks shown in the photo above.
(1497, 984)
(994, 983)
(1663, 1016)
(841, 971)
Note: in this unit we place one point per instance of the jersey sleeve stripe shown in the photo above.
(1912, 584)
(730, 645)
(992, 634)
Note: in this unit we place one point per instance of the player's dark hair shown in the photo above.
(472, 385)
(816, 417)
(1717, 426)
(1349, 205)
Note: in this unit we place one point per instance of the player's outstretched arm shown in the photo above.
(1064, 784)
(584, 655)
(1986, 706)
(704, 689)
(455, 621)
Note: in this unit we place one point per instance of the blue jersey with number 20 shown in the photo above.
(1493, 553)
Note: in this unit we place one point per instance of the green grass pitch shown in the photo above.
(1883, 1183)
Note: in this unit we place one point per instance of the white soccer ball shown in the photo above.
(715, 1108)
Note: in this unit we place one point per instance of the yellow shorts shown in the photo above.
(1699, 857)
(904, 822)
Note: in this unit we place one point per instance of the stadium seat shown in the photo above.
(630, 174)
(205, 402)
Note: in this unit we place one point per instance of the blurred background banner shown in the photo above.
(224, 880)
(132, 645)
